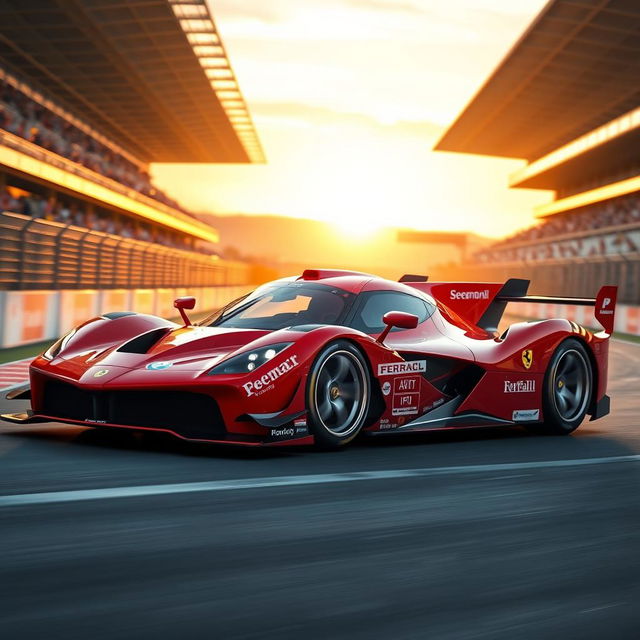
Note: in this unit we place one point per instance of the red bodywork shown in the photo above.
(447, 372)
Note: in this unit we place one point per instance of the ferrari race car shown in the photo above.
(320, 358)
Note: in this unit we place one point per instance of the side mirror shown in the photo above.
(188, 302)
(398, 319)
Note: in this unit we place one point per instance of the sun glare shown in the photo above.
(355, 229)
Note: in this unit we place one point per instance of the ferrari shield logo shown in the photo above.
(527, 358)
(100, 373)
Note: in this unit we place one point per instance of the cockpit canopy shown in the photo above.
(280, 305)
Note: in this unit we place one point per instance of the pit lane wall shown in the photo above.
(627, 318)
(35, 316)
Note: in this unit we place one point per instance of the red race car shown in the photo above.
(325, 356)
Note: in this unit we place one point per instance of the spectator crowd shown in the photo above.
(72, 213)
(606, 215)
(28, 119)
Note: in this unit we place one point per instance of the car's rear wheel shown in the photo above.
(338, 394)
(568, 385)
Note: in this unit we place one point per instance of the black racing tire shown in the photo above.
(338, 394)
(567, 388)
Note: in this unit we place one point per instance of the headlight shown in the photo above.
(58, 346)
(250, 360)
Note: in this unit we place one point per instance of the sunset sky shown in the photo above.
(349, 97)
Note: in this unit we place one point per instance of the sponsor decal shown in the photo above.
(469, 295)
(395, 368)
(301, 427)
(94, 421)
(527, 358)
(158, 366)
(100, 373)
(386, 425)
(282, 432)
(433, 405)
(386, 388)
(605, 303)
(405, 404)
(265, 381)
(410, 384)
(526, 415)
(519, 386)
(406, 395)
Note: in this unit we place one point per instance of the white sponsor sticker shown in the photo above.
(469, 295)
(265, 381)
(286, 432)
(519, 386)
(396, 368)
(526, 415)
(386, 388)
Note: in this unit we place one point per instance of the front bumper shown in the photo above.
(189, 414)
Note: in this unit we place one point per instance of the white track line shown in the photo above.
(6, 364)
(289, 481)
(13, 386)
(623, 341)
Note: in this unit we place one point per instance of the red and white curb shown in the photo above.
(14, 374)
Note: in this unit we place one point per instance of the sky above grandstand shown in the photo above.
(349, 97)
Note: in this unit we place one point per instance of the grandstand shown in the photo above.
(91, 92)
(566, 99)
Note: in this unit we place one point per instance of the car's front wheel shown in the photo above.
(568, 385)
(338, 394)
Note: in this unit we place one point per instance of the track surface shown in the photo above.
(521, 551)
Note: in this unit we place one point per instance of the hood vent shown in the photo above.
(144, 342)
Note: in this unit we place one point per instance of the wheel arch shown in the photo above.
(595, 372)
(377, 405)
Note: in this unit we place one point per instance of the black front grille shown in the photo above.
(193, 415)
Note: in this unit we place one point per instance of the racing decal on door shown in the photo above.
(406, 396)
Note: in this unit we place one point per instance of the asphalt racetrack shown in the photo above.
(473, 534)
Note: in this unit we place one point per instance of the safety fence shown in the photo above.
(46, 255)
(36, 316)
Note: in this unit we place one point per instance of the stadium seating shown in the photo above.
(569, 254)
(24, 117)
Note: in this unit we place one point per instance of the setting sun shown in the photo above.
(355, 228)
(348, 115)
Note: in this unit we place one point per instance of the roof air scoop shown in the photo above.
(320, 274)
(410, 277)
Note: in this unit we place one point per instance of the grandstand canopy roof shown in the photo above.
(576, 67)
(152, 75)
(585, 167)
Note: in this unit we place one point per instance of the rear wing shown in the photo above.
(604, 303)
(483, 304)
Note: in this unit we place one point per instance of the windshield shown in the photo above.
(285, 306)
